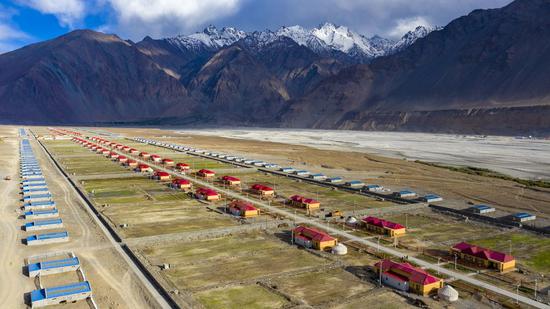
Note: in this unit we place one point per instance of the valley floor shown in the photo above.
(517, 157)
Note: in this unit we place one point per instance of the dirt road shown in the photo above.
(114, 286)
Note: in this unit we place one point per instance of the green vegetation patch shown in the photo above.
(237, 297)
(530, 250)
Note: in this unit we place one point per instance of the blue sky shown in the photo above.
(27, 21)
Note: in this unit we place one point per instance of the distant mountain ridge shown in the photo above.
(484, 73)
(324, 40)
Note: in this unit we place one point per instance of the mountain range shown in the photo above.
(484, 73)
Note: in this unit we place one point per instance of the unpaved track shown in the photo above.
(114, 286)
(12, 282)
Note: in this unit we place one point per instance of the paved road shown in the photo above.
(337, 232)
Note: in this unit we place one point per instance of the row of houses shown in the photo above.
(41, 211)
(237, 159)
(236, 207)
(38, 203)
(353, 184)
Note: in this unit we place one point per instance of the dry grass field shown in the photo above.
(242, 296)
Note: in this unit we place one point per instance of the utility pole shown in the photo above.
(456, 257)
(380, 272)
(378, 244)
(438, 265)
(517, 293)
(510, 241)
(536, 289)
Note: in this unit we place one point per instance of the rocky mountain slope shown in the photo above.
(487, 72)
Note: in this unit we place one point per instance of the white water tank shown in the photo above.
(351, 221)
(340, 249)
(448, 293)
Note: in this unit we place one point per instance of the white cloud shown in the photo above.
(68, 12)
(137, 18)
(404, 25)
(10, 37)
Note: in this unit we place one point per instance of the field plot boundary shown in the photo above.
(152, 285)
(390, 251)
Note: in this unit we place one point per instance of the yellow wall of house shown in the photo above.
(507, 265)
(324, 244)
(251, 213)
(428, 288)
(312, 206)
(381, 230)
(399, 232)
(486, 263)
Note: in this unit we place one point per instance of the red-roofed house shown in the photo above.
(382, 226)
(207, 194)
(167, 162)
(113, 155)
(261, 190)
(155, 158)
(206, 173)
(484, 257)
(134, 151)
(145, 155)
(405, 277)
(243, 209)
(131, 163)
(183, 167)
(160, 175)
(126, 148)
(307, 203)
(230, 180)
(312, 238)
(182, 184)
(122, 159)
(144, 168)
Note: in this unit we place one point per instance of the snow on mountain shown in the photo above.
(209, 38)
(411, 37)
(324, 39)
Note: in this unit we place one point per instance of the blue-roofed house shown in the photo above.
(334, 179)
(49, 213)
(39, 205)
(481, 209)
(355, 184)
(61, 294)
(318, 176)
(301, 173)
(374, 188)
(53, 267)
(431, 198)
(523, 217)
(47, 238)
(43, 225)
(405, 194)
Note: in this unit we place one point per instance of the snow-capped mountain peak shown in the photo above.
(326, 38)
(411, 36)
